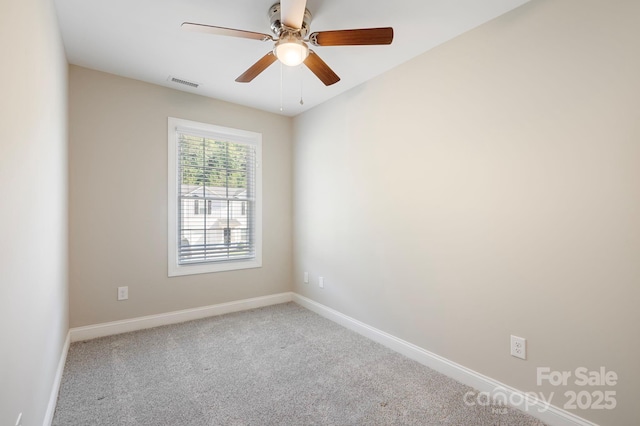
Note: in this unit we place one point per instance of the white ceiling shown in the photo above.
(142, 39)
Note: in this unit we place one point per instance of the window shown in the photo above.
(215, 206)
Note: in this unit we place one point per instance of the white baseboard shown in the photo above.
(551, 415)
(140, 323)
(53, 398)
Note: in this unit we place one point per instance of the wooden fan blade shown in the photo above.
(361, 37)
(292, 12)
(225, 31)
(255, 69)
(321, 69)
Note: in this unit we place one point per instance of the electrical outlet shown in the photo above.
(518, 347)
(321, 282)
(123, 293)
(306, 278)
(19, 421)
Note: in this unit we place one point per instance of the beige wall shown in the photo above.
(33, 208)
(118, 200)
(489, 187)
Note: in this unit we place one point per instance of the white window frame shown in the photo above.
(221, 133)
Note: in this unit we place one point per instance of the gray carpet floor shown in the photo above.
(279, 365)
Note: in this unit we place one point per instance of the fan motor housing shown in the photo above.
(278, 28)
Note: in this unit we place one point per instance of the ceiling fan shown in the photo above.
(290, 21)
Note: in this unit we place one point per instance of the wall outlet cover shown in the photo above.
(123, 293)
(519, 347)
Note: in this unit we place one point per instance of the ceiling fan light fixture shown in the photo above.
(291, 51)
(290, 25)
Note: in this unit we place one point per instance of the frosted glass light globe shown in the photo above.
(291, 51)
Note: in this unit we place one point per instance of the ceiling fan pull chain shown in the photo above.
(281, 108)
(301, 78)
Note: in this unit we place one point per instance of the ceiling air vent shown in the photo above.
(185, 82)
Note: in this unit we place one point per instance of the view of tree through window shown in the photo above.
(213, 163)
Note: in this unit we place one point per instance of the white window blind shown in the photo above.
(216, 197)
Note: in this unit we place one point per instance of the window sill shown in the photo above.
(207, 268)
